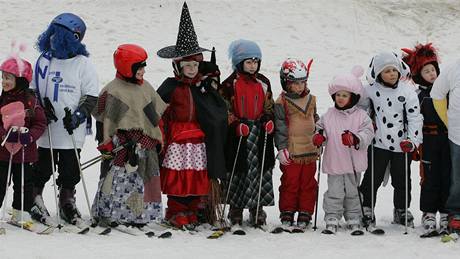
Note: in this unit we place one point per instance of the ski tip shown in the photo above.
(150, 234)
(239, 232)
(166, 234)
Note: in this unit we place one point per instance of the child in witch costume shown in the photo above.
(347, 132)
(64, 77)
(295, 117)
(22, 123)
(130, 110)
(395, 110)
(251, 113)
(194, 126)
(434, 153)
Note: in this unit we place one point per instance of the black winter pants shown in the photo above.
(381, 159)
(16, 175)
(435, 171)
(69, 174)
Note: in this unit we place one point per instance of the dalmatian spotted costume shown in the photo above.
(396, 114)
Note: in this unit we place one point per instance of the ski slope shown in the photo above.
(336, 34)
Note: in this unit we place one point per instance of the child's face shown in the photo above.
(140, 73)
(342, 98)
(429, 73)
(250, 66)
(297, 86)
(8, 81)
(190, 68)
(390, 75)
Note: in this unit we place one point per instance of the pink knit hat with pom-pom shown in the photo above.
(348, 82)
(16, 65)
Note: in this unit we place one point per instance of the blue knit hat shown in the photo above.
(239, 50)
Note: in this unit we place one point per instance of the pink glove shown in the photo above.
(242, 130)
(269, 127)
(283, 157)
(406, 146)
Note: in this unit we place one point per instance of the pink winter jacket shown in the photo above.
(336, 157)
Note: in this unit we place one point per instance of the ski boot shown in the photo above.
(16, 217)
(399, 217)
(38, 210)
(67, 207)
(355, 227)
(454, 224)
(429, 224)
(367, 220)
(287, 218)
(332, 224)
(192, 219)
(236, 216)
(261, 218)
(303, 219)
(443, 224)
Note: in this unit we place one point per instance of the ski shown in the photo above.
(216, 234)
(430, 233)
(327, 232)
(279, 230)
(453, 237)
(33, 227)
(375, 231)
(357, 232)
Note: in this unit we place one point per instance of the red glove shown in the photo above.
(318, 139)
(269, 126)
(242, 130)
(105, 148)
(406, 146)
(349, 139)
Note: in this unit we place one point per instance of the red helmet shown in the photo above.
(18, 67)
(126, 56)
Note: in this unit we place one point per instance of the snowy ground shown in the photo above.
(337, 34)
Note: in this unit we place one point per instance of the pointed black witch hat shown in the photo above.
(187, 42)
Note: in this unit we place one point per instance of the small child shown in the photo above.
(18, 132)
(435, 164)
(396, 114)
(249, 98)
(295, 114)
(194, 126)
(348, 131)
(129, 109)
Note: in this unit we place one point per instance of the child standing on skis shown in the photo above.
(64, 78)
(130, 111)
(19, 129)
(347, 132)
(194, 126)
(251, 114)
(395, 110)
(434, 153)
(295, 114)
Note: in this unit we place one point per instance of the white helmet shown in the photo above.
(293, 70)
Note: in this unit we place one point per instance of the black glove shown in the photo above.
(49, 110)
(72, 121)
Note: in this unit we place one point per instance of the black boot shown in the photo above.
(38, 210)
(67, 206)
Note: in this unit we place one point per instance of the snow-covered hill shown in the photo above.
(336, 34)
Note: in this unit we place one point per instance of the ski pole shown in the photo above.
(372, 183)
(356, 178)
(22, 189)
(317, 191)
(53, 174)
(261, 176)
(231, 176)
(97, 159)
(406, 198)
(6, 188)
(67, 111)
